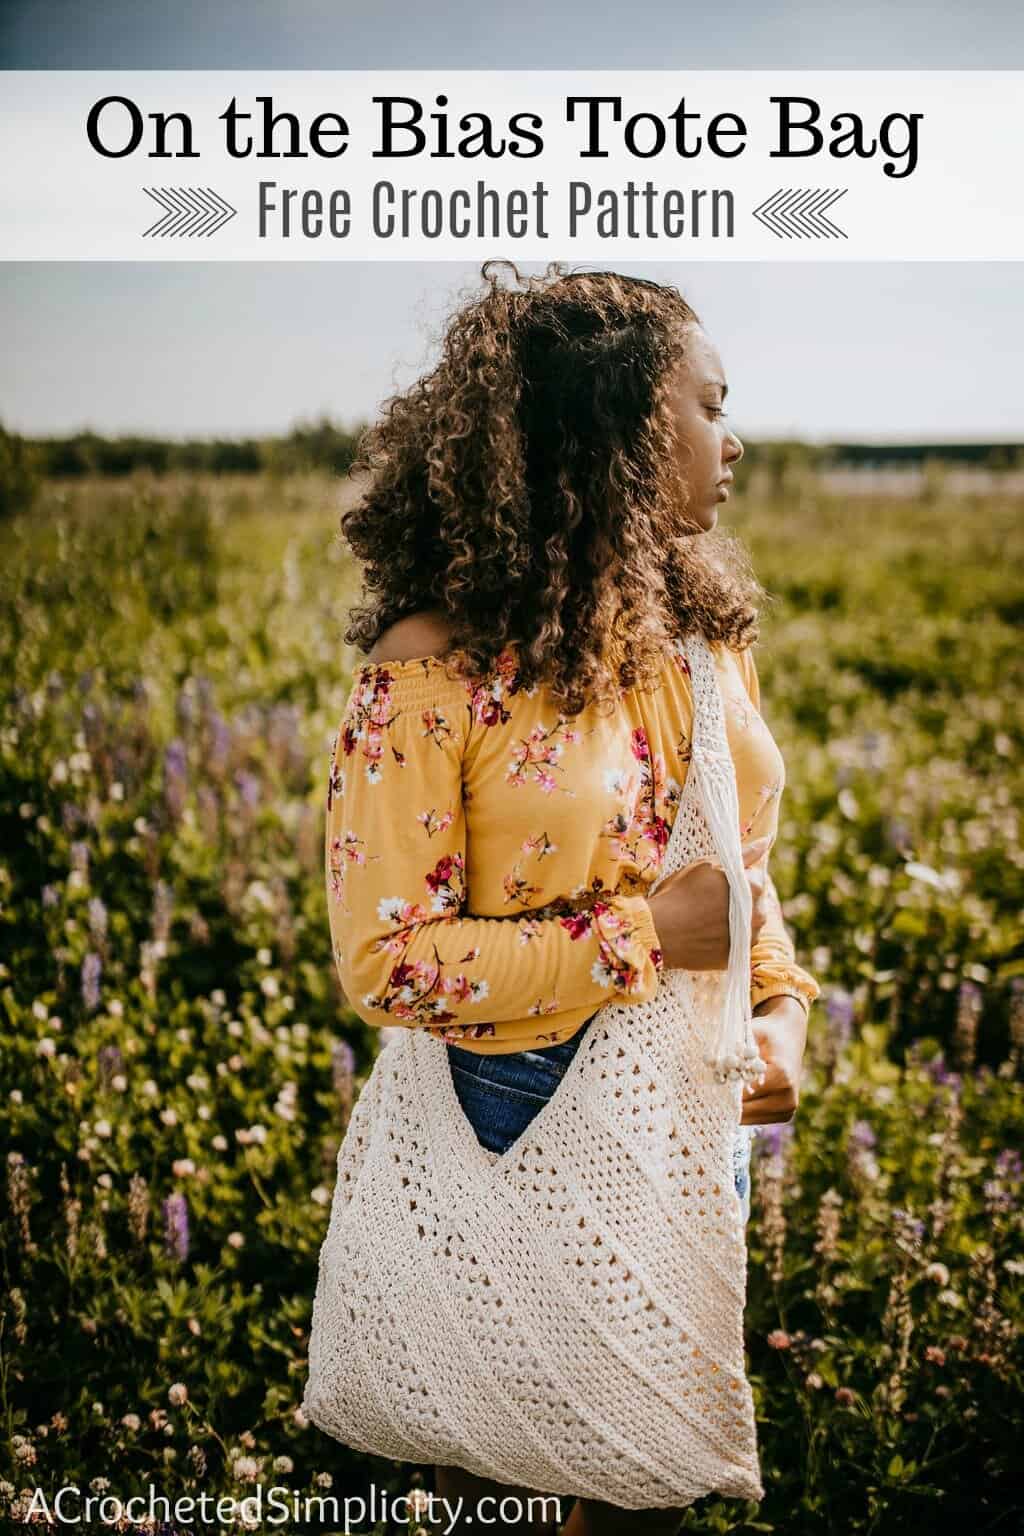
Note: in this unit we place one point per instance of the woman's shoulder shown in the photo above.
(421, 636)
(411, 667)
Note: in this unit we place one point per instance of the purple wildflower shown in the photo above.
(940, 1073)
(175, 777)
(343, 1064)
(110, 1061)
(772, 1140)
(175, 1211)
(248, 787)
(97, 920)
(839, 1012)
(908, 1232)
(80, 857)
(218, 744)
(71, 817)
(92, 969)
(1008, 1165)
(997, 1197)
(862, 1137)
(49, 895)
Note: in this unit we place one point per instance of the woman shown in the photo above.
(538, 534)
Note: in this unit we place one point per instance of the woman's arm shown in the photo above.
(773, 964)
(406, 950)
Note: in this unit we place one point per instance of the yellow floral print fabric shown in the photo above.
(488, 858)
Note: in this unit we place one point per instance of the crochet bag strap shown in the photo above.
(733, 1051)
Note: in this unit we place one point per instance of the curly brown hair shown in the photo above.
(525, 489)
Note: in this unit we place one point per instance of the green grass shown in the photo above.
(174, 671)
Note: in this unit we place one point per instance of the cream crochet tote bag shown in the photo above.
(566, 1315)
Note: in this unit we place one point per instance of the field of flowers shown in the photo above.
(178, 1063)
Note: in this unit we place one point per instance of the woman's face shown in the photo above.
(705, 447)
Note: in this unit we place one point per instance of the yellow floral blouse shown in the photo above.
(487, 858)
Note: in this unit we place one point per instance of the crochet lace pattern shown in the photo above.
(566, 1315)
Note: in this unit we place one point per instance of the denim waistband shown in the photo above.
(562, 1052)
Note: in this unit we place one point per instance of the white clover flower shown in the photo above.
(219, 1143)
(169, 1116)
(270, 986)
(284, 1464)
(937, 1272)
(177, 1394)
(39, 1009)
(150, 1088)
(320, 1195)
(116, 1007)
(235, 1029)
(236, 1240)
(183, 1167)
(324, 1480)
(103, 1128)
(16, 1096)
(119, 1082)
(264, 956)
(46, 1047)
(131, 1421)
(246, 1469)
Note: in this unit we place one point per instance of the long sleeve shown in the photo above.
(406, 947)
(774, 971)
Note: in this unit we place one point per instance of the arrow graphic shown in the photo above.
(799, 214)
(188, 211)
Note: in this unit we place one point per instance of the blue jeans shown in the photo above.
(500, 1095)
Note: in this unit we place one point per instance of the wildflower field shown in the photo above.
(178, 1063)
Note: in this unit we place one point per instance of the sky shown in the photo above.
(852, 351)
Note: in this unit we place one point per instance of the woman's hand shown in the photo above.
(691, 910)
(780, 1030)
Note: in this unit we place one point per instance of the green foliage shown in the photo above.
(19, 473)
(171, 1026)
(309, 446)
